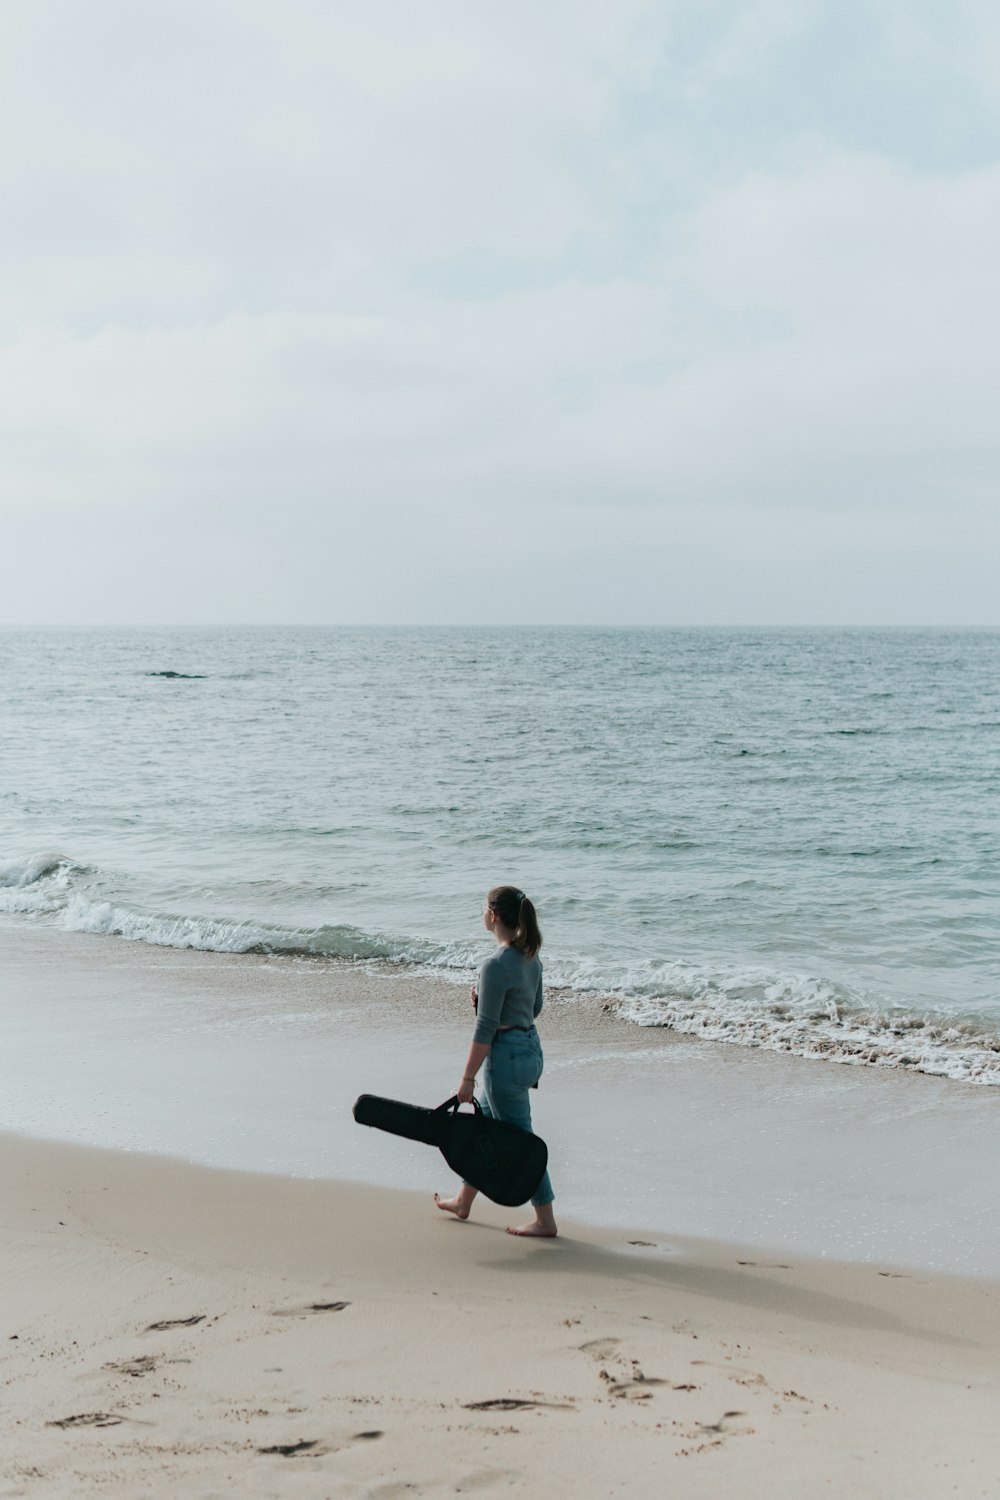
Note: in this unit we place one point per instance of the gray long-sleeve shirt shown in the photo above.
(510, 992)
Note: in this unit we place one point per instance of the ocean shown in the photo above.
(779, 839)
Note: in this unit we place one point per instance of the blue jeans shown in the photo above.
(513, 1066)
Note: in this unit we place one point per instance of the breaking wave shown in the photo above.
(808, 1016)
(815, 1018)
(53, 886)
(39, 884)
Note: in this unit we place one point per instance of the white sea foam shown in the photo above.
(53, 886)
(36, 885)
(216, 934)
(30, 870)
(810, 1018)
(798, 1013)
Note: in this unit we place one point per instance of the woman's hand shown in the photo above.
(465, 1091)
(475, 997)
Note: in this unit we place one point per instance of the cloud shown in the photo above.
(855, 329)
(961, 37)
(176, 160)
(389, 289)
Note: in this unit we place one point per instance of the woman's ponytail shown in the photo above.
(518, 914)
(528, 936)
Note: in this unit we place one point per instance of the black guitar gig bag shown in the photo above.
(502, 1161)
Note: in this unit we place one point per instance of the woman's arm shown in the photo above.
(478, 1053)
(489, 1009)
(489, 995)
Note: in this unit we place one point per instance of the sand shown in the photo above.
(169, 1329)
(253, 1063)
(170, 1326)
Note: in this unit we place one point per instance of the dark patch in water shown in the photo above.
(180, 676)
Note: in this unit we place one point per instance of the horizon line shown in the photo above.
(488, 625)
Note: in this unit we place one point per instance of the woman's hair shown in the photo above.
(516, 912)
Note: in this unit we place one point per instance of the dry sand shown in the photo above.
(173, 1330)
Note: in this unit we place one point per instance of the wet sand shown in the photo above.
(253, 1063)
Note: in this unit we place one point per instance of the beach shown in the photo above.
(684, 1331)
(522, 475)
(170, 1329)
(253, 1062)
(241, 883)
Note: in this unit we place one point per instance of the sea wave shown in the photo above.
(814, 1018)
(809, 1016)
(218, 934)
(30, 870)
(39, 883)
(55, 887)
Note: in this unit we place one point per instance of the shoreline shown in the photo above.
(170, 1327)
(253, 1063)
(754, 1005)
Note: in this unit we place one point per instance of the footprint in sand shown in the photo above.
(88, 1419)
(600, 1348)
(515, 1403)
(307, 1448)
(719, 1426)
(175, 1323)
(637, 1389)
(143, 1364)
(308, 1307)
(763, 1265)
(312, 1447)
(486, 1479)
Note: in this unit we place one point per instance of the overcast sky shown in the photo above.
(500, 310)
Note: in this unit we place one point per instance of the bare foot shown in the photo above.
(535, 1230)
(456, 1205)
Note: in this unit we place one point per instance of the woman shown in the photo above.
(505, 1043)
